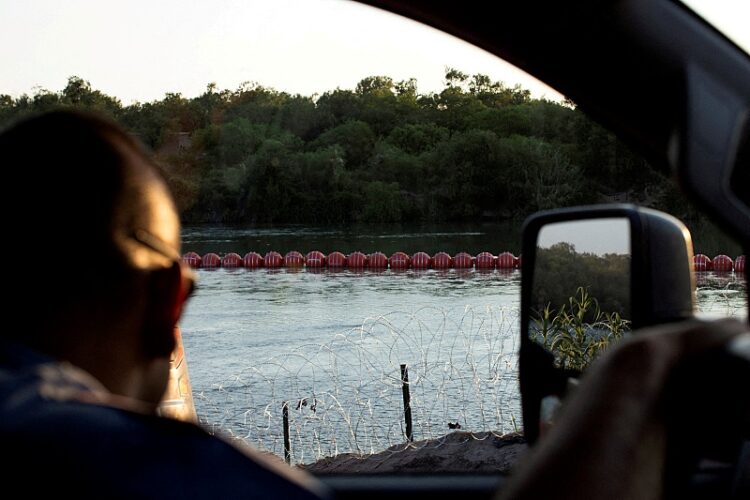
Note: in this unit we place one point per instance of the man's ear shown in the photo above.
(166, 295)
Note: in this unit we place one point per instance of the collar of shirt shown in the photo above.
(59, 381)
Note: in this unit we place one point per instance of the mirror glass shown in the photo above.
(580, 300)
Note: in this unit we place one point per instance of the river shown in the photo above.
(331, 344)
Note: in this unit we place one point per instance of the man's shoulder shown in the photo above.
(101, 429)
(141, 453)
(58, 425)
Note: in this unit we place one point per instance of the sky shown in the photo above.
(140, 49)
(597, 236)
(137, 50)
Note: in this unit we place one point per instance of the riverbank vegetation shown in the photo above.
(383, 152)
(578, 331)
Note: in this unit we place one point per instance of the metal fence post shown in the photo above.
(287, 442)
(407, 402)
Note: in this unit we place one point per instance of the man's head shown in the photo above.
(98, 281)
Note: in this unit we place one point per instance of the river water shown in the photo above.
(331, 344)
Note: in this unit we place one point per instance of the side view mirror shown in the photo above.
(590, 276)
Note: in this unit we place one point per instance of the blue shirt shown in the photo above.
(60, 426)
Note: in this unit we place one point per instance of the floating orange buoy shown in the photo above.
(211, 260)
(421, 260)
(192, 259)
(702, 263)
(294, 259)
(253, 260)
(739, 264)
(273, 259)
(507, 260)
(336, 259)
(485, 260)
(377, 260)
(315, 259)
(463, 260)
(442, 260)
(723, 263)
(399, 260)
(357, 260)
(231, 260)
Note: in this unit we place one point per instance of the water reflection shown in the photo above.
(387, 238)
(292, 308)
(257, 338)
(721, 294)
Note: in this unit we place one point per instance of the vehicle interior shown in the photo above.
(676, 91)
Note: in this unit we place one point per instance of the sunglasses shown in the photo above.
(160, 246)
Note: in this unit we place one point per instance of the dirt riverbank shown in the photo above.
(457, 452)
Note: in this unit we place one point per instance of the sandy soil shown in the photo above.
(457, 452)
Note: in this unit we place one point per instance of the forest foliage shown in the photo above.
(560, 272)
(383, 152)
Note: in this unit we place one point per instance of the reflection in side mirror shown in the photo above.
(590, 276)
(580, 297)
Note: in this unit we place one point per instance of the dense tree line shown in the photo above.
(561, 272)
(383, 152)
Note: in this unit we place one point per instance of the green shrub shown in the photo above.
(572, 336)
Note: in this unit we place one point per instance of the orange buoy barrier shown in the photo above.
(442, 260)
(357, 260)
(739, 264)
(273, 259)
(463, 260)
(507, 260)
(399, 260)
(723, 264)
(702, 262)
(421, 260)
(485, 260)
(252, 260)
(294, 259)
(336, 259)
(315, 259)
(377, 260)
(231, 260)
(211, 260)
(192, 259)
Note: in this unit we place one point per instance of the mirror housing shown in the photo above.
(661, 290)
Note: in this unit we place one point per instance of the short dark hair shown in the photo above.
(67, 184)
